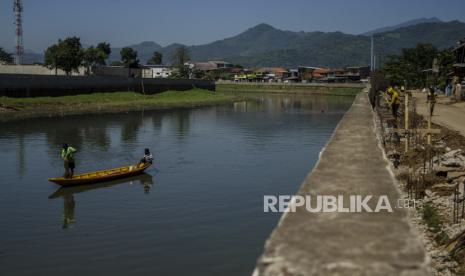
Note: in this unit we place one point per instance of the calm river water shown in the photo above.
(197, 211)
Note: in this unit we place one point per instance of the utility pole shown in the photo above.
(372, 65)
(19, 48)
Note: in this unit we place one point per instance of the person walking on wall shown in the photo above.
(395, 101)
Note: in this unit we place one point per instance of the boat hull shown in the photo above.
(101, 176)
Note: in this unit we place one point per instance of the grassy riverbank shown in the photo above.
(292, 88)
(20, 108)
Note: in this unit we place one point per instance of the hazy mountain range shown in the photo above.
(405, 24)
(264, 45)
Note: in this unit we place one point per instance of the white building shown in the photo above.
(156, 71)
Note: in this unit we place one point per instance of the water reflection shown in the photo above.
(130, 129)
(21, 156)
(285, 103)
(67, 193)
(181, 122)
(215, 164)
(68, 210)
(95, 134)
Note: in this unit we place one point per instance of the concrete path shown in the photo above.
(306, 243)
(451, 116)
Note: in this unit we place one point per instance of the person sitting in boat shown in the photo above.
(148, 158)
(67, 154)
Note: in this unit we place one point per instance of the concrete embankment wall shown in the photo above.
(347, 243)
(19, 85)
(292, 88)
(36, 70)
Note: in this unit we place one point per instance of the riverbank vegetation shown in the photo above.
(18, 108)
(419, 67)
(336, 89)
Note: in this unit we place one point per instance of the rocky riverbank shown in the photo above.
(431, 177)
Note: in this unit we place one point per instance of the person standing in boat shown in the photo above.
(67, 154)
(148, 158)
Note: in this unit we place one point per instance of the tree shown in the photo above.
(409, 67)
(51, 57)
(66, 55)
(5, 57)
(88, 58)
(157, 58)
(96, 56)
(446, 59)
(180, 56)
(129, 57)
(105, 48)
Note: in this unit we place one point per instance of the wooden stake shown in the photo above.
(406, 124)
(429, 121)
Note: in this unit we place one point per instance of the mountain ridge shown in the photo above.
(403, 24)
(265, 45)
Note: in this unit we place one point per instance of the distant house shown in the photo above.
(336, 75)
(311, 74)
(212, 65)
(292, 75)
(271, 74)
(459, 64)
(156, 71)
(246, 75)
(357, 73)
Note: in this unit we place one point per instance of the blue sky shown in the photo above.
(124, 22)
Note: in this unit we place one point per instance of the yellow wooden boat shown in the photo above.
(77, 189)
(101, 176)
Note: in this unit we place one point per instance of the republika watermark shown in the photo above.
(332, 203)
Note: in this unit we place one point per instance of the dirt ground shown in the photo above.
(446, 113)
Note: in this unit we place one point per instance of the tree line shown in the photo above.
(418, 67)
(68, 55)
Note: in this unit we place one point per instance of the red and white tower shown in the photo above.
(19, 48)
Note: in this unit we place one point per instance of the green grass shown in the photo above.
(434, 223)
(17, 108)
(122, 97)
(431, 217)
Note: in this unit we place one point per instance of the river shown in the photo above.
(197, 211)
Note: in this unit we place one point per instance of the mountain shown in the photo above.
(405, 24)
(144, 50)
(287, 48)
(442, 35)
(259, 39)
(31, 57)
(264, 45)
